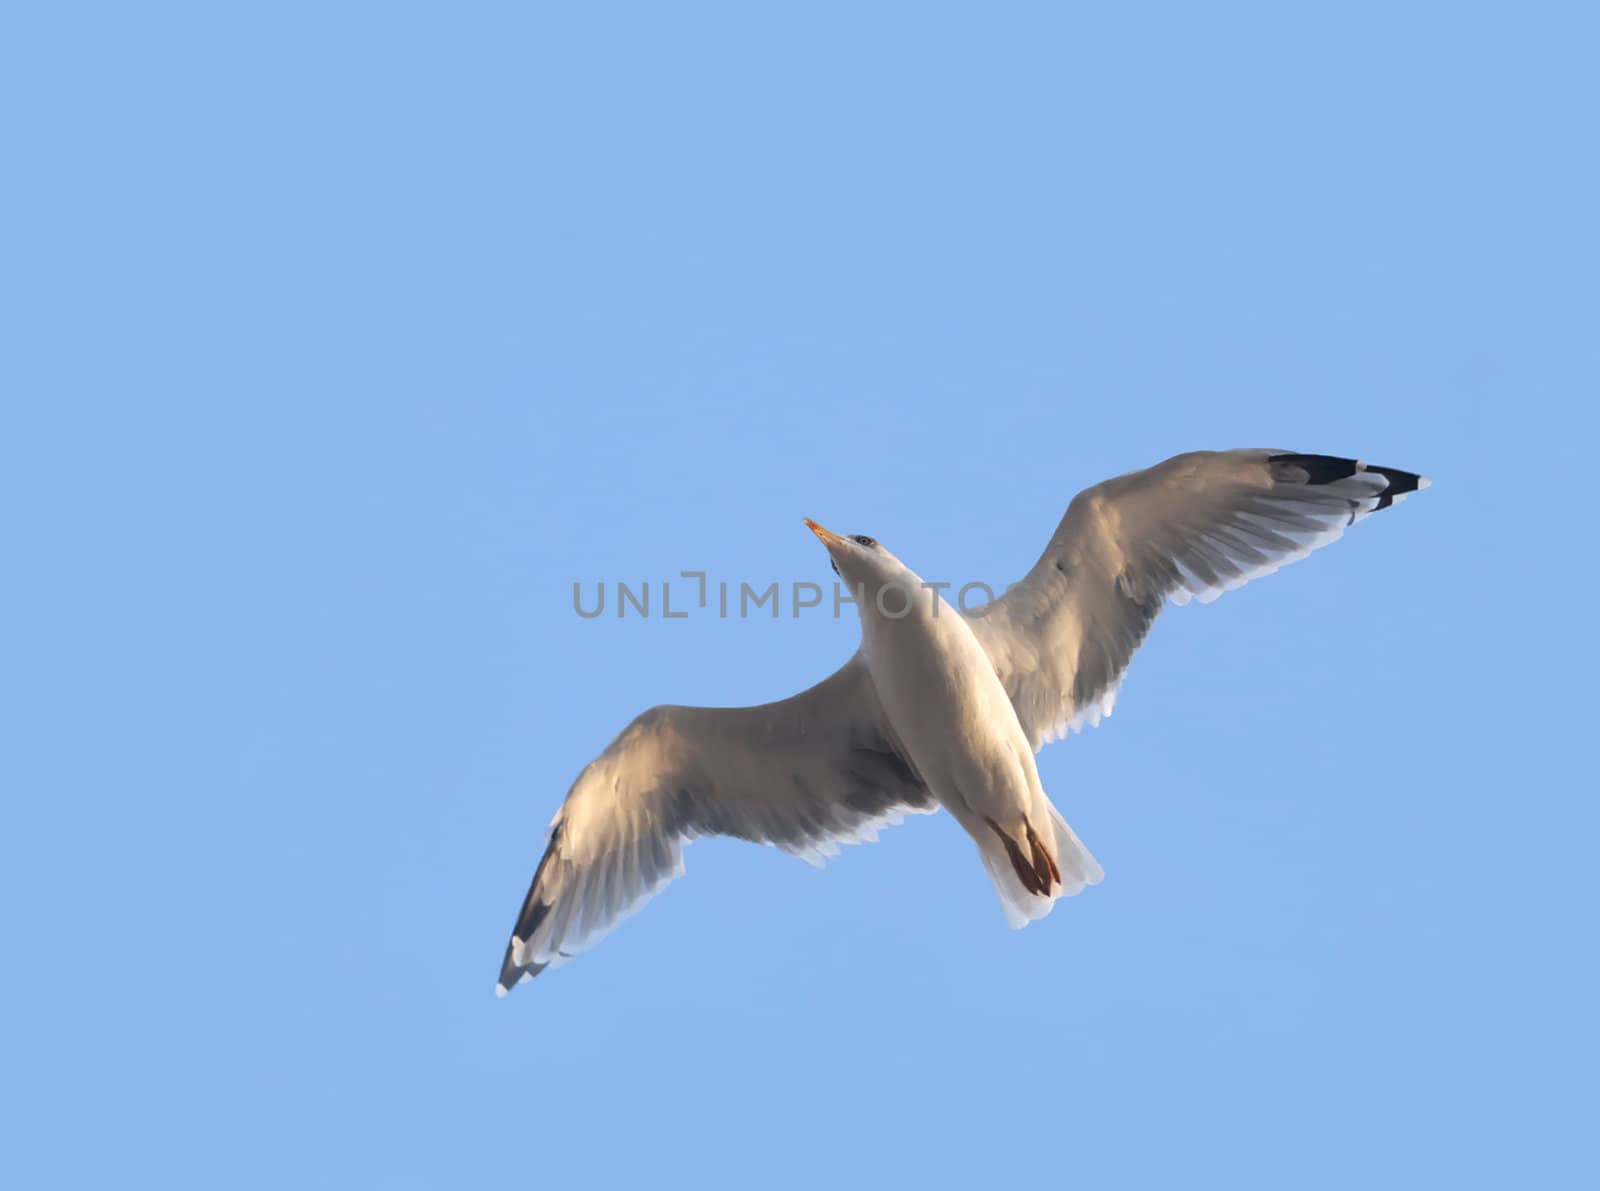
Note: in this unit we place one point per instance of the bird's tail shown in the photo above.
(1028, 876)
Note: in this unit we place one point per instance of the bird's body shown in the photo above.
(960, 733)
(937, 708)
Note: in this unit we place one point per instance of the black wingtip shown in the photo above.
(513, 973)
(1400, 483)
(1329, 469)
(533, 913)
(1319, 469)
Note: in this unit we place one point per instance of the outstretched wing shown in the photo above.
(806, 774)
(1195, 526)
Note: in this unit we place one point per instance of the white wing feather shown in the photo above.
(805, 774)
(1193, 527)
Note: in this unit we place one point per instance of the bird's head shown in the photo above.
(859, 560)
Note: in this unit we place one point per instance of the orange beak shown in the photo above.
(829, 538)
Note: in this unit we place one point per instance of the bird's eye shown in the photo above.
(862, 539)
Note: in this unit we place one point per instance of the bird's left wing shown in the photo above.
(1195, 526)
(806, 774)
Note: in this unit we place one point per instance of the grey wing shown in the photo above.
(1193, 527)
(806, 774)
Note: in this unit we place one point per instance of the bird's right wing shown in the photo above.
(1195, 526)
(806, 774)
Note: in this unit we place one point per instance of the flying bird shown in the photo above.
(937, 708)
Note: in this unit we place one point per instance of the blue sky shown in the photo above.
(342, 341)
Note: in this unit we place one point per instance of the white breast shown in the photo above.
(950, 710)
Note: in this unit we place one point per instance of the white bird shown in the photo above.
(936, 708)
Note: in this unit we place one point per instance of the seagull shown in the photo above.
(937, 708)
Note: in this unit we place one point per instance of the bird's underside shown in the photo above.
(827, 767)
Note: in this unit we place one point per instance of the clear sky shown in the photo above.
(341, 340)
